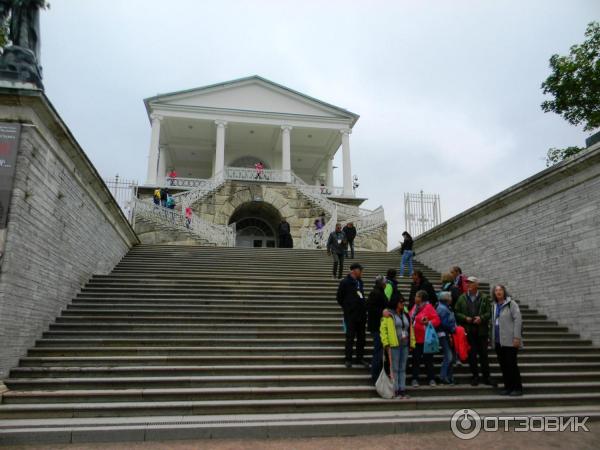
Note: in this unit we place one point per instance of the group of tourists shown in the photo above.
(163, 197)
(459, 321)
(340, 245)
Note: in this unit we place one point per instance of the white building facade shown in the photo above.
(199, 132)
(246, 154)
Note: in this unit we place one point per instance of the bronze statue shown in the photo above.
(20, 59)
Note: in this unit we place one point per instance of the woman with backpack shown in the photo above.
(395, 333)
(506, 327)
(421, 315)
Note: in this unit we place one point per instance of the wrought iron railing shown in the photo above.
(221, 235)
(250, 174)
(185, 183)
(206, 187)
(364, 220)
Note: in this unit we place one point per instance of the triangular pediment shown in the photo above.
(254, 94)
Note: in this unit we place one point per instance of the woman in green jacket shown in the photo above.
(395, 333)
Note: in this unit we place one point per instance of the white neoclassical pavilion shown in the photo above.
(228, 127)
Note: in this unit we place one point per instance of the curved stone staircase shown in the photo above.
(199, 342)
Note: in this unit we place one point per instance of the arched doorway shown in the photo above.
(256, 224)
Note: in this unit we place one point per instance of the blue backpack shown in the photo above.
(432, 342)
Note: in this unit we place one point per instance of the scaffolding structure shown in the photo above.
(421, 212)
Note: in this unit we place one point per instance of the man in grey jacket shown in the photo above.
(506, 327)
(336, 246)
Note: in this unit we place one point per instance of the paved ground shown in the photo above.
(437, 440)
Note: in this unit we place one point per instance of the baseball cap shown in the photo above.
(473, 280)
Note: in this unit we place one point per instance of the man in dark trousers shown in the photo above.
(336, 246)
(285, 237)
(420, 283)
(350, 233)
(351, 298)
(473, 311)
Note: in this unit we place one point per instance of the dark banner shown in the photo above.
(9, 144)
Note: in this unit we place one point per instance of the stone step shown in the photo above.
(111, 409)
(70, 316)
(270, 393)
(265, 313)
(122, 363)
(271, 378)
(240, 350)
(236, 341)
(339, 423)
(126, 325)
(223, 333)
(234, 366)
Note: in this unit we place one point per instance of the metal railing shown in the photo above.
(204, 188)
(364, 220)
(250, 174)
(221, 235)
(188, 183)
(124, 191)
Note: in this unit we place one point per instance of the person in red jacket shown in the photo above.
(420, 315)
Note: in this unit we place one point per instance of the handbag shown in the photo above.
(413, 340)
(384, 385)
(432, 341)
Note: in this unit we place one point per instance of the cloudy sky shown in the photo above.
(448, 91)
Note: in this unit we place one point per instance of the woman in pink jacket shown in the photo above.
(420, 315)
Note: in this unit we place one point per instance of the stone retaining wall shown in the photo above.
(541, 238)
(63, 225)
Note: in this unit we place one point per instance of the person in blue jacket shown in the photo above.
(445, 331)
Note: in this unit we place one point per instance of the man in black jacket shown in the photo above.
(420, 283)
(351, 298)
(376, 303)
(285, 237)
(336, 246)
(350, 233)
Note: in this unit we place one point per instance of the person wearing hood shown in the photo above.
(506, 339)
(376, 304)
(395, 335)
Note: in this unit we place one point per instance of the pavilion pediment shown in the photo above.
(253, 94)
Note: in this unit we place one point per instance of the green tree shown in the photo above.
(556, 155)
(574, 85)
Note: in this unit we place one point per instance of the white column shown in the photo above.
(220, 147)
(161, 176)
(286, 154)
(329, 179)
(347, 165)
(153, 153)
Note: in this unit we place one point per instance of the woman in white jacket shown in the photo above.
(506, 335)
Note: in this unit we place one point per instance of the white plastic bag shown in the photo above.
(384, 385)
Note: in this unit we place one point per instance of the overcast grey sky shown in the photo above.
(448, 91)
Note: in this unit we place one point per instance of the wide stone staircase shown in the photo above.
(198, 342)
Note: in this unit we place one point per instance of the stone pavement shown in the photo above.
(435, 440)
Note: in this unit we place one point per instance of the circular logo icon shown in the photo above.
(465, 424)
